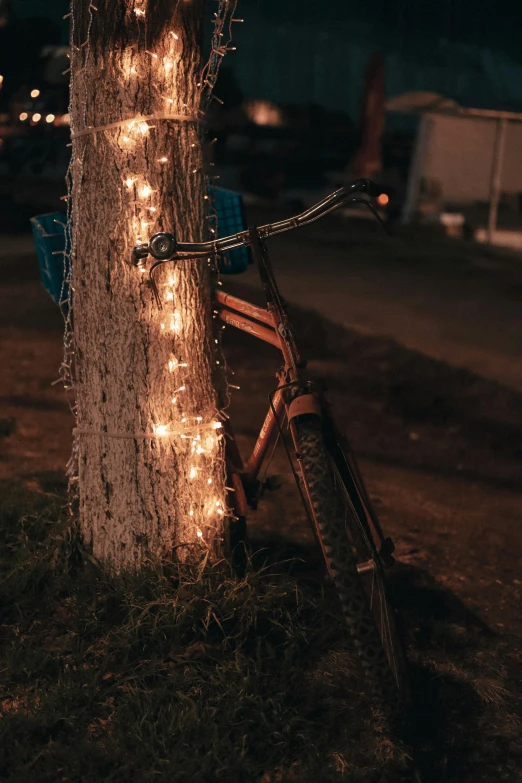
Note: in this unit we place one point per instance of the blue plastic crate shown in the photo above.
(230, 219)
(49, 237)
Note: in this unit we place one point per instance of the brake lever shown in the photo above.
(153, 285)
(373, 210)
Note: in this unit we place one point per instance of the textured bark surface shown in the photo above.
(140, 495)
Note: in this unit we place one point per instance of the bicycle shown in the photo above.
(354, 547)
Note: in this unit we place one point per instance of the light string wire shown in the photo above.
(223, 20)
(136, 119)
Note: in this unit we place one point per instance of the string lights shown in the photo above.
(183, 435)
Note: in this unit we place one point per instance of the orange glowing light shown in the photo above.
(383, 199)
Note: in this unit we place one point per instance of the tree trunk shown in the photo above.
(148, 447)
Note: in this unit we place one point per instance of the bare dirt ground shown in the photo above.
(440, 448)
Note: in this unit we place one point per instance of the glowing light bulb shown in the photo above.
(217, 425)
(199, 534)
(161, 429)
(191, 512)
(34, 93)
(145, 191)
(193, 473)
(50, 118)
(167, 64)
(170, 100)
(173, 364)
(162, 326)
(174, 400)
(209, 481)
(23, 116)
(163, 160)
(199, 418)
(174, 35)
(139, 12)
(126, 139)
(170, 296)
(143, 127)
(183, 421)
(129, 182)
(36, 117)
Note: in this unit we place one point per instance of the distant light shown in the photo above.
(23, 116)
(383, 199)
(62, 119)
(36, 117)
(35, 93)
(50, 118)
(264, 113)
(1, 78)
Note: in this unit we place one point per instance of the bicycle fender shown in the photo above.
(305, 403)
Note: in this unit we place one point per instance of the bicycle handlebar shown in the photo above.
(164, 247)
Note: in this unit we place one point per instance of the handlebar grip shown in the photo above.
(140, 253)
(374, 190)
(367, 186)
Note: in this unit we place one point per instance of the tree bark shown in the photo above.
(149, 452)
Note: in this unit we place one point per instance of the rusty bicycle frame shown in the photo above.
(295, 395)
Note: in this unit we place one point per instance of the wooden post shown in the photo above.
(496, 176)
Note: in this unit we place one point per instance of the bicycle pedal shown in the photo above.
(271, 483)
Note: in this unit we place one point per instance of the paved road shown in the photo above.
(451, 300)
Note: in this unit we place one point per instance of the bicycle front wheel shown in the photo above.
(369, 615)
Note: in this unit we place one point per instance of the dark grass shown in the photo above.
(188, 675)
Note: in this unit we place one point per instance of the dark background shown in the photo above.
(307, 58)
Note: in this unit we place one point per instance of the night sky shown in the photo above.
(466, 21)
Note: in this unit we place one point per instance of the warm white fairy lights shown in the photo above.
(201, 435)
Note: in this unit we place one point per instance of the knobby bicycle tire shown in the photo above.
(387, 679)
